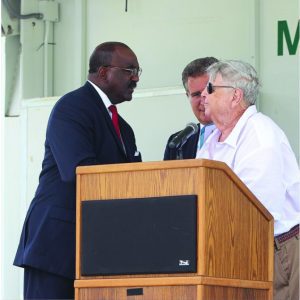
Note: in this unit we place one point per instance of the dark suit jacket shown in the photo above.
(189, 149)
(79, 132)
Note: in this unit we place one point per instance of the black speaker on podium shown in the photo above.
(139, 236)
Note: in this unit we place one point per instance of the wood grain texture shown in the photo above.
(235, 231)
(171, 281)
(78, 226)
(178, 164)
(228, 293)
(149, 293)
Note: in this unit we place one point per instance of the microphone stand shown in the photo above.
(179, 154)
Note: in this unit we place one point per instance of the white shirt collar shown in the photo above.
(234, 135)
(206, 125)
(102, 95)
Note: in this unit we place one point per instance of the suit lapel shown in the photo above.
(194, 143)
(113, 131)
(126, 138)
(107, 117)
(191, 146)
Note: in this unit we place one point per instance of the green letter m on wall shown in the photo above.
(283, 31)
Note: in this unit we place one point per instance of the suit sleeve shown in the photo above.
(70, 137)
(170, 154)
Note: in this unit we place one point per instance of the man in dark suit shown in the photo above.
(81, 130)
(194, 79)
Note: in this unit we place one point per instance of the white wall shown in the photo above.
(165, 35)
(280, 74)
(13, 208)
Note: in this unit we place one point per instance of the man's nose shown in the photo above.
(135, 78)
(204, 93)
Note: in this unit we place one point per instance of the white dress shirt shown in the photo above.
(107, 104)
(103, 96)
(258, 151)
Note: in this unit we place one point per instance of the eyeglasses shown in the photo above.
(211, 88)
(132, 71)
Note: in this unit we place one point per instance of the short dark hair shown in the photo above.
(102, 55)
(196, 68)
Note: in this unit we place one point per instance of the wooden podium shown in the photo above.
(235, 232)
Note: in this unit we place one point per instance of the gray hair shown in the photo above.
(196, 68)
(238, 74)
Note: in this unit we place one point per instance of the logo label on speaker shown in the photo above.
(184, 262)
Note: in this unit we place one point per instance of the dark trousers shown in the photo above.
(43, 285)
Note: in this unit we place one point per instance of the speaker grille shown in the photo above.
(139, 236)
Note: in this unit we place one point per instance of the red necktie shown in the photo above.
(115, 119)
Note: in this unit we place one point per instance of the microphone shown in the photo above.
(180, 138)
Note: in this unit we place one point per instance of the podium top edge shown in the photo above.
(175, 164)
(151, 165)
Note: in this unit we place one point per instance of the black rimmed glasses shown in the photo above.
(132, 71)
(211, 88)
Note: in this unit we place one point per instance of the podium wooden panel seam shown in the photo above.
(169, 281)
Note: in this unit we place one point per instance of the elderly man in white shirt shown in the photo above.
(257, 150)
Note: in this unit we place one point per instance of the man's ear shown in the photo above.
(102, 71)
(238, 97)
